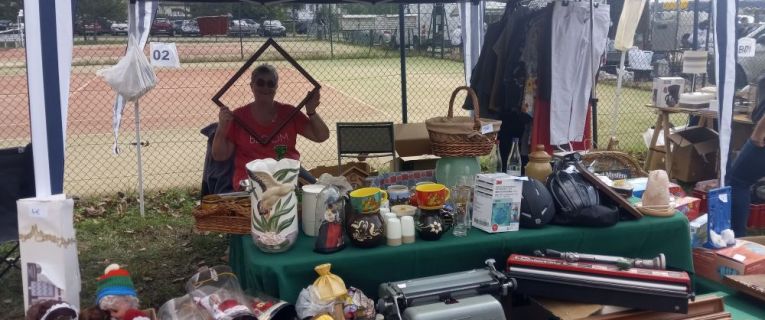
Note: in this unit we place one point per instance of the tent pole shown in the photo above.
(593, 94)
(138, 153)
(402, 54)
(617, 95)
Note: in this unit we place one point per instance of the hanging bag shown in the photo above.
(452, 136)
(132, 76)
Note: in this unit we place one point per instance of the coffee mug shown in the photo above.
(366, 200)
(431, 195)
(399, 194)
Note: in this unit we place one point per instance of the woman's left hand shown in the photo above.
(313, 102)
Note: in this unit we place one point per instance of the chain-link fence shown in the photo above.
(351, 49)
(665, 31)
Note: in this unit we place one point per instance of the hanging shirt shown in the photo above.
(282, 145)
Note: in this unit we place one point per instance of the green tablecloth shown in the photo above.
(283, 275)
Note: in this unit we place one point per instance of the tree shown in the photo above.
(9, 9)
(101, 10)
(257, 12)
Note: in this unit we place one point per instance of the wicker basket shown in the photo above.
(613, 161)
(229, 215)
(452, 136)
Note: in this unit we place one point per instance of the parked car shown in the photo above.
(190, 28)
(5, 24)
(119, 28)
(241, 28)
(92, 28)
(162, 26)
(252, 23)
(177, 25)
(272, 28)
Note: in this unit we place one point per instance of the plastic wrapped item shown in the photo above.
(328, 287)
(216, 290)
(309, 305)
(274, 204)
(132, 76)
(182, 308)
(329, 231)
(358, 306)
(267, 307)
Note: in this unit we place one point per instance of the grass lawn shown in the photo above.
(161, 250)
(634, 117)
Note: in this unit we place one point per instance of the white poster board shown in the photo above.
(50, 269)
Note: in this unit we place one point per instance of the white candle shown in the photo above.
(393, 232)
(383, 211)
(407, 229)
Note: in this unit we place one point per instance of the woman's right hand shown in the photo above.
(225, 116)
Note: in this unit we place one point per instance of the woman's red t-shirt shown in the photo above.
(282, 145)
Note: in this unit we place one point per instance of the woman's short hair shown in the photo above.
(264, 69)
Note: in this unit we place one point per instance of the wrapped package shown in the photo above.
(328, 287)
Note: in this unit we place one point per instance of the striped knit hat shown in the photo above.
(114, 282)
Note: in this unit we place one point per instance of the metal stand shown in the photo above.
(138, 146)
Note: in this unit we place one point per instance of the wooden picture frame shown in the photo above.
(269, 43)
(606, 190)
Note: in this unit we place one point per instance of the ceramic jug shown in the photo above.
(366, 230)
(274, 204)
(539, 164)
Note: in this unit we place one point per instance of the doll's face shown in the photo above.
(119, 308)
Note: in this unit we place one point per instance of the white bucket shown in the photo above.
(308, 216)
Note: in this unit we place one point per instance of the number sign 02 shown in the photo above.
(164, 54)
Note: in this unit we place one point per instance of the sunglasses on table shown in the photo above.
(263, 83)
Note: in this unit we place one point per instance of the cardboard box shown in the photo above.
(497, 202)
(689, 206)
(411, 139)
(413, 163)
(667, 90)
(745, 257)
(694, 154)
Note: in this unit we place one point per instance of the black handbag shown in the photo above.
(577, 201)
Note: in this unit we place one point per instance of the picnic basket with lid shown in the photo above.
(452, 136)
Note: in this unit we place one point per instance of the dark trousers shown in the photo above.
(748, 167)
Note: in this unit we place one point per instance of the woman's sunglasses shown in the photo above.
(263, 83)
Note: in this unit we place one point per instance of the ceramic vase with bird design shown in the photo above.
(274, 203)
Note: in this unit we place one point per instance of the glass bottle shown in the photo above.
(514, 160)
(495, 159)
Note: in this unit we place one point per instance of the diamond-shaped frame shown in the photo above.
(269, 43)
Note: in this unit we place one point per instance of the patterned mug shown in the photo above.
(367, 200)
(399, 194)
(431, 196)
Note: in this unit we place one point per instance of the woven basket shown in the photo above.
(452, 136)
(230, 215)
(611, 161)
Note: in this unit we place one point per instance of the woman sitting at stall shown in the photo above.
(264, 115)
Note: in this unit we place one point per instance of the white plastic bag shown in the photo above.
(132, 76)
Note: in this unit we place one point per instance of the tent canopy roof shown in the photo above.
(267, 2)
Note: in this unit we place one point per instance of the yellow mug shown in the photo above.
(367, 200)
(431, 195)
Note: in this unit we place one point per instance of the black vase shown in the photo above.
(431, 225)
(366, 230)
